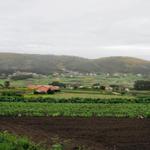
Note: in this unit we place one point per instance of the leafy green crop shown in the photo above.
(42, 99)
(67, 109)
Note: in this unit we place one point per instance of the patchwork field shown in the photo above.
(75, 119)
(128, 80)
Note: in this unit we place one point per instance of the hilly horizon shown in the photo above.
(46, 64)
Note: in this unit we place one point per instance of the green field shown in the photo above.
(128, 80)
(81, 95)
(76, 102)
(82, 110)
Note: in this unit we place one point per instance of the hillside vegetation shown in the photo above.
(46, 64)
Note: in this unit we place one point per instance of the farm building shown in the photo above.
(120, 88)
(44, 89)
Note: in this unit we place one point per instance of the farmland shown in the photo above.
(82, 133)
(82, 94)
(46, 118)
(74, 75)
(82, 110)
(127, 79)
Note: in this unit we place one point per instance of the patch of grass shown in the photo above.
(12, 142)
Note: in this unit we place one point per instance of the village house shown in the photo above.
(44, 89)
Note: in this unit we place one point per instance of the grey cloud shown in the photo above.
(89, 28)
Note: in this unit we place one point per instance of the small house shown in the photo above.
(44, 89)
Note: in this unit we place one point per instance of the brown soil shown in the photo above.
(90, 133)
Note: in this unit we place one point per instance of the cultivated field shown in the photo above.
(84, 110)
(75, 119)
(128, 80)
(74, 133)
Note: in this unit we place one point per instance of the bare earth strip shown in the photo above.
(90, 133)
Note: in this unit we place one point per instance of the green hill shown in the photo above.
(45, 64)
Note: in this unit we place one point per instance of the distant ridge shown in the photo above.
(46, 64)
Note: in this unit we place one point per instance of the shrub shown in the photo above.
(11, 142)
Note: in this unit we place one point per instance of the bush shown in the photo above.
(21, 77)
(11, 142)
(56, 83)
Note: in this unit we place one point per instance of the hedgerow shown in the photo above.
(12, 142)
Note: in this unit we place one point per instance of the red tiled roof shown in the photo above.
(44, 88)
(33, 87)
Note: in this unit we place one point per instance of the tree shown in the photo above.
(57, 83)
(103, 87)
(1, 85)
(142, 85)
(96, 86)
(7, 84)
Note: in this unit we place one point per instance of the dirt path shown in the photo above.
(94, 133)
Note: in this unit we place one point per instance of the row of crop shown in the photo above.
(74, 110)
(73, 100)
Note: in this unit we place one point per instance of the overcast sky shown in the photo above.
(87, 28)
